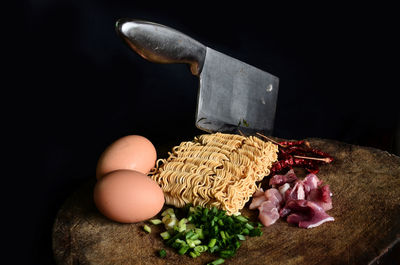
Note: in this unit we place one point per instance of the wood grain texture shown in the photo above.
(366, 206)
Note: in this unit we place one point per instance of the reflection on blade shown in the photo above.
(235, 95)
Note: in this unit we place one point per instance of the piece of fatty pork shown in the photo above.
(302, 202)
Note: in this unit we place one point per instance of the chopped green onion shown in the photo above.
(190, 226)
(255, 232)
(182, 227)
(199, 232)
(245, 231)
(212, 242)
(237, 244)
(214, 249)
(206, 230)
(217, 262)
(201, 248)
(169, 211)
(215, 229)
(189, 234)
(241, 218)
(205, 211)
(197, 242)
(190, 243)
(249, 226)
(176, 245)
(181, 242)
(183, 250)
(166, 218)
(182, 221)
(222, 233)
(194, 236)
(162, 253)
(165, 235)
(226, 253)
(155, 221)
(170, 223)
(172, 239)
(147, 228)
(241, 237)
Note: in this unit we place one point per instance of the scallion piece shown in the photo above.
(176, 245)
(199, 232)
(189, 234)
(190, 243)
(204, 229)
(162, 253)
(241, 218)
(147, 228)
(205, 211)
(201, 248)
(180, 241)
(165, 235)
(194, 236)
(237, 244)
(229, 220)
(255, 232)
(182, 227)
(217, 262)
(214, 249)
(183, 250)
(190, 226)
(241, 237)
(169, 211)
(197, 242)
(249, 226)
(172, 239)
(222, 233)
(212, 242)
(226, 253)
(170, 223)
(155, 221)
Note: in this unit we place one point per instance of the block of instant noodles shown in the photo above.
(220, 170)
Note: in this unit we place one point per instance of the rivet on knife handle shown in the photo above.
(160, 44)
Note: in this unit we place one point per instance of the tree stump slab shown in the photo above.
(365, 183)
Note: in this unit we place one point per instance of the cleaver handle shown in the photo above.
(161, 44)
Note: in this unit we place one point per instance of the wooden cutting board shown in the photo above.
(365, 183)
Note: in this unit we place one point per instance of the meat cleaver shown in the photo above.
(233, 96)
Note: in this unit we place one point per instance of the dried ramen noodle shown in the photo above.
(215, 170)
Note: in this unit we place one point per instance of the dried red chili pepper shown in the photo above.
(295, 153)
(320, 153)
(291, 143)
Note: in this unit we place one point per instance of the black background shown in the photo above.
(335, 64)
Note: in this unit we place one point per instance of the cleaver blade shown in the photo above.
(233, 96)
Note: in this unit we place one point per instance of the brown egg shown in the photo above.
(133, 152)
(128, 196)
